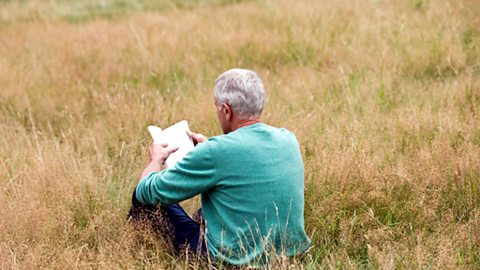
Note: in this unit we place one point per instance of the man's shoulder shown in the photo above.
(215, 142)
(251, 134)
(282, 132)
(287, 132)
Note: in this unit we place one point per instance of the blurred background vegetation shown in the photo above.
(81, 11)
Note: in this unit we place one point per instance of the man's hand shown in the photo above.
(160, 152)
(196, 137)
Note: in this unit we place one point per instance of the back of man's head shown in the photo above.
(243, 90)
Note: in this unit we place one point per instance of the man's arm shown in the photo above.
(192, 175)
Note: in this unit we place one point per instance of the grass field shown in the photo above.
(384, 97)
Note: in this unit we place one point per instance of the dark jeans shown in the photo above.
(173, 223)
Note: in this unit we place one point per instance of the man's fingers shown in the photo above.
(164, 146)
(192, 136)
(196, 137)
(161, 151)
(173, 149)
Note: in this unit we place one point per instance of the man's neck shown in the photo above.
(245, 122)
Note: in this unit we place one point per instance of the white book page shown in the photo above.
(175, 135)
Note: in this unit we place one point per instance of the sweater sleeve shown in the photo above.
(192, 175)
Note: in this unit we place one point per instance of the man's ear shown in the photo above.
(228, 111)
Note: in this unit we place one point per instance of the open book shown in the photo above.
(175, 135)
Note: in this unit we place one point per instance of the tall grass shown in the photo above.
(384, 97)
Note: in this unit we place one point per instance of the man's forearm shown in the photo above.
(155, 165)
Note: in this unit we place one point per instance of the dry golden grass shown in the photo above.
(383, 95)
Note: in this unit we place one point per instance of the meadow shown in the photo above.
(384, 97)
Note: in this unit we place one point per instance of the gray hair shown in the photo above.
(243, 90)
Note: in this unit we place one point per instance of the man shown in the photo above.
(251, 182)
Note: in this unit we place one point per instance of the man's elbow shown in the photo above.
(149, 195)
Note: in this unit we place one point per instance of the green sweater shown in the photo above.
(252, 192)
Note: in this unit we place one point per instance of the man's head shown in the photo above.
(239, 96)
